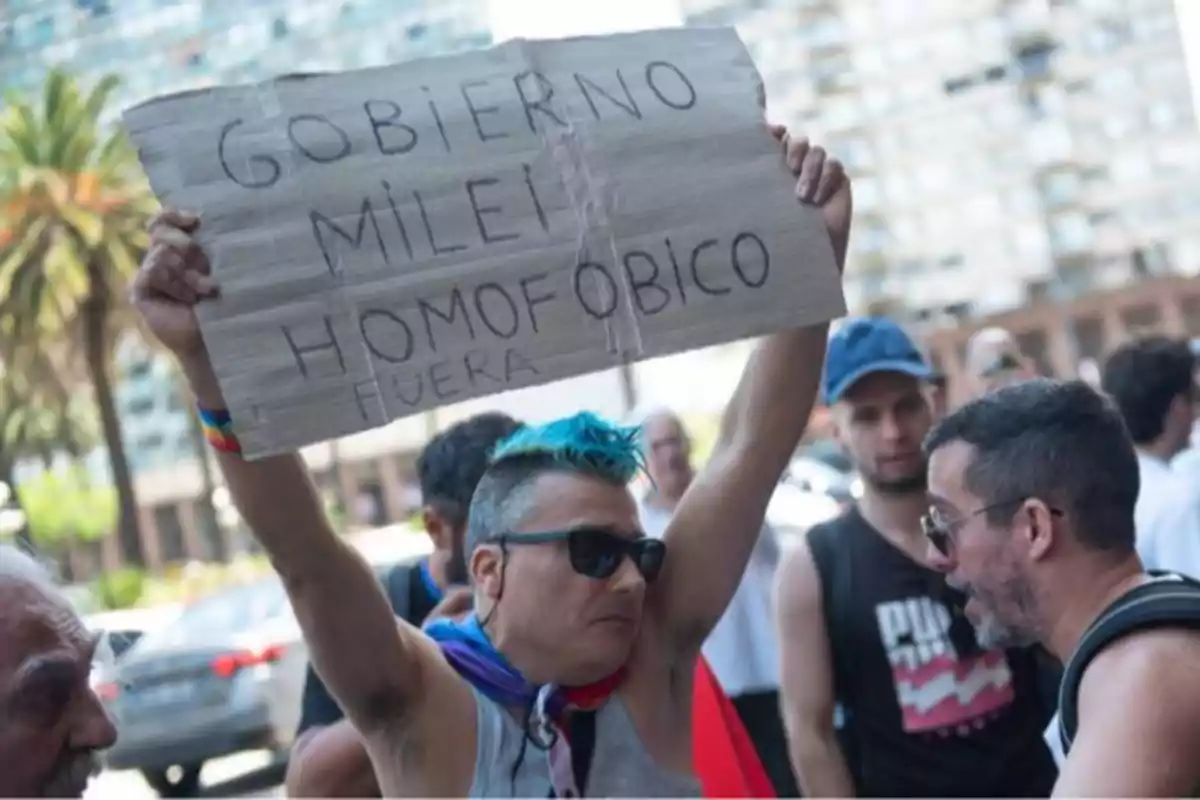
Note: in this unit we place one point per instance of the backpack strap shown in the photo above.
(1168, 601)
(398, 586)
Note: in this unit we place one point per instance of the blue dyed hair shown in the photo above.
(583, 443)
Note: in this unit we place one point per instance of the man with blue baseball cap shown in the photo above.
(866, 345)
(874, 637)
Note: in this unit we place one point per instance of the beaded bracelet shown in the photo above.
(218, 429)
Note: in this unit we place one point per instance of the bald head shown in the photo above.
(51, 722)
(994, 360)
(668, 453)
(18, 566)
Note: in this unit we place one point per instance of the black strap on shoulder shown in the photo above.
(583, 747)
(1168, 601)
(398, 585)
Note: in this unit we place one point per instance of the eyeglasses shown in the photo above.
(940, 531)
(597, 553)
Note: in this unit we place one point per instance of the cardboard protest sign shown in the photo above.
(394, 239)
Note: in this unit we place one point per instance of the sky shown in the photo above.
(545, 19)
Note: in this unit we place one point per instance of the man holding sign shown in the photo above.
(578, 610)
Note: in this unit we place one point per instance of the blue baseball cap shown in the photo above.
(865, 346)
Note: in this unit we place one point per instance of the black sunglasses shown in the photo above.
(940, 531)
(598, 553)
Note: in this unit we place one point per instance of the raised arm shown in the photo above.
(372, 668)
(715, 527)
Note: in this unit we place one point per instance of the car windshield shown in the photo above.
(120, 640)
(234, 609)
(220, 616)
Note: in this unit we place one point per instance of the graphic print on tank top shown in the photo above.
(939, 692)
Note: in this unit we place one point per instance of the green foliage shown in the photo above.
(119, 589)
(64, 506)
(73, 205)
(73, 211)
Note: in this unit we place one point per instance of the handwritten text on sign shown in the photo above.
(395, 239)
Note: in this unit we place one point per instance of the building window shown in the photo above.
(1164, 115)
(416, 33)
(1106, 36)
(279, 28)
(137, 371)
(97, 8)
(151, 441)
(1071, 233)
(958, 85)
(1034, 59)
(140, 406)
(1061, 188)
(43, 32)
(995, 74)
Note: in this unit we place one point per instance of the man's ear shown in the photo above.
(1181, 410)
(487, 570)
(1039, 528)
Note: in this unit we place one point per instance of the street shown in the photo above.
(244, 775)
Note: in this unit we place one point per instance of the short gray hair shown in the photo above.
(18, 565)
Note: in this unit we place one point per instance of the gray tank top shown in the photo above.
(621, 767)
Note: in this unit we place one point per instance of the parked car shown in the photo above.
(211, 683)
(226, 676)
(123, 629)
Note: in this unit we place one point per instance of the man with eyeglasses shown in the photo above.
(871, 634)
(1033, 490)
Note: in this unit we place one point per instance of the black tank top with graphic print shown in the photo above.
(927, 713)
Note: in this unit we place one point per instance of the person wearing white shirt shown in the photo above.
(1151, 381)
(742, 650)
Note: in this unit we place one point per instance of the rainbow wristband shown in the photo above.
(218, 429)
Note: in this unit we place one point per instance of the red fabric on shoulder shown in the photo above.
(723, 754)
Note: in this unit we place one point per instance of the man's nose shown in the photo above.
(94, 729)
(890, 428)
(628, 577)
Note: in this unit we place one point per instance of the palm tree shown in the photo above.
(73, 208)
